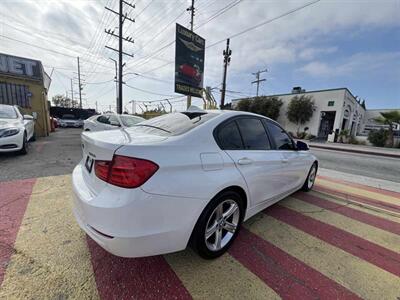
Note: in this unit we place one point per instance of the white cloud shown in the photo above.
(357, 64)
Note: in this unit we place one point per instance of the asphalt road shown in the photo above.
(359, 164)
(56, 154)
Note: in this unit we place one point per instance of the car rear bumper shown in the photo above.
(131, 222)
(12, 143)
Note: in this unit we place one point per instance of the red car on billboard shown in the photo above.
(190, 72)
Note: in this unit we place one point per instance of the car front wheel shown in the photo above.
(312, 174)
(218, 225)
(24, 149)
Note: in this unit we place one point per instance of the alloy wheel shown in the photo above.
(311, 177)
(222, 225)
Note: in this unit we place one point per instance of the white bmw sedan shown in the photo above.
(15, 129)
(190, 177)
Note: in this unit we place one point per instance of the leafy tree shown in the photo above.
(263, 105)
(378, 138)
(62, 101)
(389, 118)
(300, 110)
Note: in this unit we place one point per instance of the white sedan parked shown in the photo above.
(110, 121)
(15, 129)
(190, 176)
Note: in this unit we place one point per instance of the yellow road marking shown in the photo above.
(358, 191)
(357, 275)
(375, 235)
(51, 259)
(222, 278)
(382, 213)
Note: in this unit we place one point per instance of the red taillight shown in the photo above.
(101, 169)
(127, 172)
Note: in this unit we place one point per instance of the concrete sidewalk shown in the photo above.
(358, 179)
(388, 152)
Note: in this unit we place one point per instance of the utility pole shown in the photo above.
(258, 80)
(72, 90)
(191, 9)
(79, 84)
(227, 58)
(121, 38)
(116, 79)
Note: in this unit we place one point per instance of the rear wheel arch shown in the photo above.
(237, 189)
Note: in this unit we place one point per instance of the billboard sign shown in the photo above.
(189, 62)
(21, 67)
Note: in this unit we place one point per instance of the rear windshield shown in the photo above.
(174, 123)
(129, 121)
(7, 112)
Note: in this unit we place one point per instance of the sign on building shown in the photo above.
(21, 67)
(189, 62)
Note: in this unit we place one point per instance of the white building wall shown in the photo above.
(321, 100)
(344, 106)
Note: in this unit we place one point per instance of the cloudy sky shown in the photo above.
(328, 44)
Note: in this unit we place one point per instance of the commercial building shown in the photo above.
(335, 110)
(24, 82)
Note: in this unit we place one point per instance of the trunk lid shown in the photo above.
(102, 145)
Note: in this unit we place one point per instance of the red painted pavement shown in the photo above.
(14, 197)
(352, 213)
(368, 251)
(286, 275)
(369, 201)
(134, 278)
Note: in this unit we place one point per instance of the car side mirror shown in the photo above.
(301, 146)
(28, 117)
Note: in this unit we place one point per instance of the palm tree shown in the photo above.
(389, 118)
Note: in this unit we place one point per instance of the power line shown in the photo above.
(236, 34)
(146, 91)
(265, 22)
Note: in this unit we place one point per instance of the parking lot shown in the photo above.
(340, 241)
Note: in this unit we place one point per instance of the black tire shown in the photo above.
(308, 184)
(198, 240)
(24, 149)
(33, 138)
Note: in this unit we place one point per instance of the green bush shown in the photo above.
(301, 135)
(310, 136)
(378, 137)
(262, 105)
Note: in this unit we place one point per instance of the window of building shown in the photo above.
(331, 103)
(281, 138)
(253, 134)
(15, 94)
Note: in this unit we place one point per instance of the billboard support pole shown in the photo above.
(191, 9)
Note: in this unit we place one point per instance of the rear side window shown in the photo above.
(281, 138)
(253, 134)
(229, 137)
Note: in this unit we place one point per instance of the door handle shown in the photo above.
(285, 160)
(245, 161)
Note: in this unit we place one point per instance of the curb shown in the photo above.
(386, 154)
